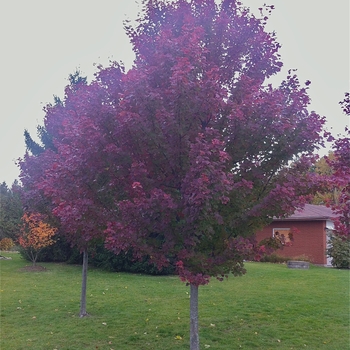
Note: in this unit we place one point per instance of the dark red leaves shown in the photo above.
(186, 155)
(340, 179)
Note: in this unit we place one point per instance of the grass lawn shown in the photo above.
(271, 307)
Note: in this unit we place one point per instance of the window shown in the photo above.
(283, 234)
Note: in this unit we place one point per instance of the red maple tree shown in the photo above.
(71, 179)
(214, 152)
(339, 244)
(340, 178)
(187, 154)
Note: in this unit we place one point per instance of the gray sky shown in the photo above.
(43, 41)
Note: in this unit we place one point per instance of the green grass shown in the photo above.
(272, 307)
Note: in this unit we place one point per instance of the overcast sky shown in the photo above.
(43, 41)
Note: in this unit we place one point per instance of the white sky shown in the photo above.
(43, 41)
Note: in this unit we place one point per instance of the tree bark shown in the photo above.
(194, 335)
(83, 312)
(34, 257)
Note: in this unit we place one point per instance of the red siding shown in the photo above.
(309, 242)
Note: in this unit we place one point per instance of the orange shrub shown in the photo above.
(35, 235)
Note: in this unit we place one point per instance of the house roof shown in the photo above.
(310, 212)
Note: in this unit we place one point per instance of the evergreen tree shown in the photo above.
(10, 210)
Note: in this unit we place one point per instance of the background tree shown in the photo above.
(38, 155)
(35, 235)
(72, 179)
(42, 157)
(328, 193)
(46, 139)
(10, 210)
(339, 249)
(341, 175)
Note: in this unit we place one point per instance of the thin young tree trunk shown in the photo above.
(194, 335)
(33, 257)
(83, 312)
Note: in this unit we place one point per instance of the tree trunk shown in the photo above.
(33, 257)
(83, 312)
(194, 335)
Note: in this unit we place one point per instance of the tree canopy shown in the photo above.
(209, 143)
(189, 152)
(340, 178)
(185, 155)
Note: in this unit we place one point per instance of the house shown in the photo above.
(310, 240)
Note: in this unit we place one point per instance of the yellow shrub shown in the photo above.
(6, 244)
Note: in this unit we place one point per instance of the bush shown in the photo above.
(100, 257)
(339, 251)
(274, 258)
(60, 251)
(124, 262)
(6, 244)
(278, 259)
